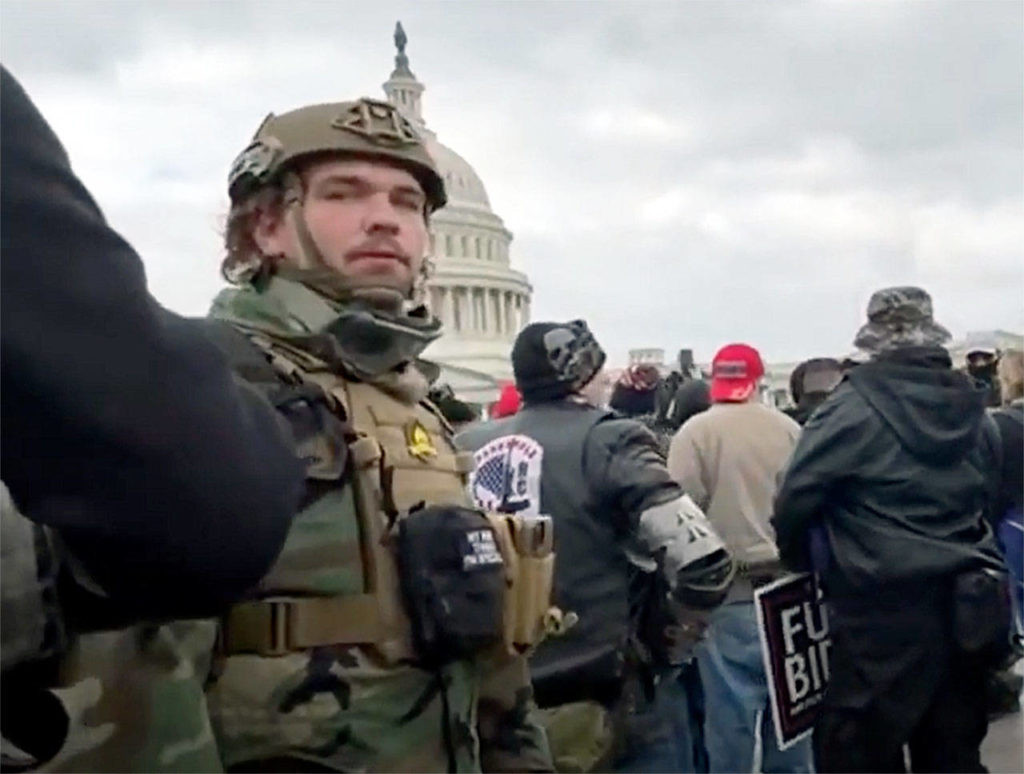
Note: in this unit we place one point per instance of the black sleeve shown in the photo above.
(122, 427)
(831, 443)
(627, 469)
(995, 467)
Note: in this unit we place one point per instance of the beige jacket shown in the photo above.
(729, 459)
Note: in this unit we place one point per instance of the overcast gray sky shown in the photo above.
(678, 173)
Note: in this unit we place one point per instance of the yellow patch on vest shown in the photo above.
(418, 439)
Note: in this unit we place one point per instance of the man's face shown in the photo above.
(980, 361)
(366, 218)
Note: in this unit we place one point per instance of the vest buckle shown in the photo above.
(279, 642)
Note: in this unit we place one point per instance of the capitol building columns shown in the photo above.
(487, 310)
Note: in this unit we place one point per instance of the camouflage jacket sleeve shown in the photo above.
(511, 735)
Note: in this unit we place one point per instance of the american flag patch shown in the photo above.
(507, 475)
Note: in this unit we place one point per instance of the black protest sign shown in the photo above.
(795, 642)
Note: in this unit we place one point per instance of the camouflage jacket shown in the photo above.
(134, 701)
(122, 700)
(347, 706)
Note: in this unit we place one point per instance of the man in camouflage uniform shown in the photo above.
(326, 241)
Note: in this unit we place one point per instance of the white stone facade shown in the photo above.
(482, 301)
(653, 356)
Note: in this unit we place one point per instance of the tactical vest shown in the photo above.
(321, 666)
(336, 580)
(591, 569)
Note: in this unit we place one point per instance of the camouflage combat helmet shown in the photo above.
(365, 127)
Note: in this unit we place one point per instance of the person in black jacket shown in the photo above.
(1010, 419)
(893, 470)
(982, 365)
(810, 384)
(636, 560)
(122, 427)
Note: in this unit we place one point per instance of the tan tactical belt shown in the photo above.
(274, 627)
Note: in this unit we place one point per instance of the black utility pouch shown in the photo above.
(453, 582)
(982, 614)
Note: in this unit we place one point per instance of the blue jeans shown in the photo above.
(738, 729)
(658, 736)
(689, 677)
(1011, 539)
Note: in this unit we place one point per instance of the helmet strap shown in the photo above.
(310, 256)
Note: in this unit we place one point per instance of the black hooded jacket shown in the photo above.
(897, 469)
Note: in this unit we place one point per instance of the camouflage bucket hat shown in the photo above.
(900, 317)
(366, 127)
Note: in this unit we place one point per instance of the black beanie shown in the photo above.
(552, 360)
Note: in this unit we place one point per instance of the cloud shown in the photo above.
(949, 238)
(632, 124)
(681, 174)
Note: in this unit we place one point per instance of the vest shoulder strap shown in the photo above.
(244, 357)
(433, 409)
(261, 360)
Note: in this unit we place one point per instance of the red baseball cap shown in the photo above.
(734, 373)
(508, 403)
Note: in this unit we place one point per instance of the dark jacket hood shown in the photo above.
(935, 412)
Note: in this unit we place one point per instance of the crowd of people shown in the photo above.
(887, 477)
(268, 541)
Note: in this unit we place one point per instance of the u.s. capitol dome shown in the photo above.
(482, 301)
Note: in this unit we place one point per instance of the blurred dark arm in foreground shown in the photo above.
(122, 427)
